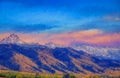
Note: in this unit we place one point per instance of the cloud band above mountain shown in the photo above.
(92, 37)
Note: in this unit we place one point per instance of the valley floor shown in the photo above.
(16, 74)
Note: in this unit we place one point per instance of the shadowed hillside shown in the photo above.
(44, 59)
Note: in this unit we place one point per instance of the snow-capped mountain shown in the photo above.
(12, 39)
(104, 52)
(53, 45)
(52, 58)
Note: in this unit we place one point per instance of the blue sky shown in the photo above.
(33, 16)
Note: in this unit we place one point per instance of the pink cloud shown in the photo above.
(94, 37)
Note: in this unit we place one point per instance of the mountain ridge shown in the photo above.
(41, 58)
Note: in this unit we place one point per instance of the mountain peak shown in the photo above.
(13, 36)
(12, 39)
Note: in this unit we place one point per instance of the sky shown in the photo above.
(64, 22)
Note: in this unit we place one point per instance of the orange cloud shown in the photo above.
(3, 35)
(105, 39)
(68, 38)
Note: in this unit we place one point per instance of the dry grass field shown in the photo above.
(16, 74)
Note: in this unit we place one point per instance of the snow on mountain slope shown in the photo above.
(105, 52)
